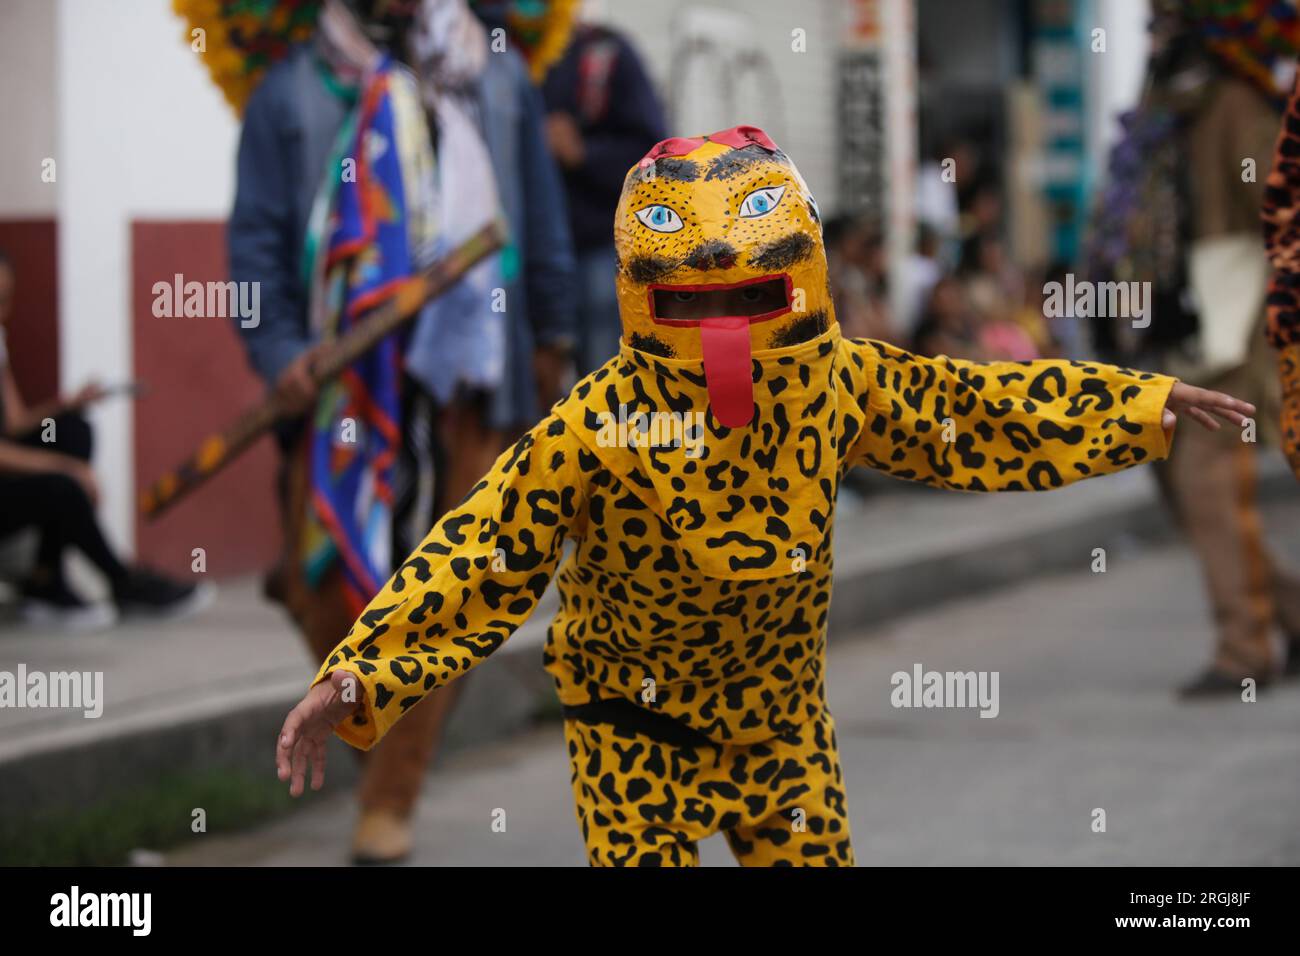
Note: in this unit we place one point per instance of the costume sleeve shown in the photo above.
(476, 577)
(260, 239)
(1002, 426)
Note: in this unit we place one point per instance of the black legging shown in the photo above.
(56, 504)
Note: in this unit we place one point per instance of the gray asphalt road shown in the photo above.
(1086, 663)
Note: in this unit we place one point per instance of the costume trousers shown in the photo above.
(645, 799)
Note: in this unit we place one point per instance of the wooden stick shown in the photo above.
(217, 451)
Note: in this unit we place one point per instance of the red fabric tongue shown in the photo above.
(727, 369)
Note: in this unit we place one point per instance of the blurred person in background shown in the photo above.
(539, 264)
(994, 285)
(1066, 335)
(982, 210)
(937, 203)
(848, 285)
(921, 270)
(602, 116)
(477, 364)
(1181, 214)
(47, 483)
(995, 291)
(855, 256)
(948, 326)
(957, 192)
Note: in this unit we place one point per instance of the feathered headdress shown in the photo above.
(1250, 37)
(240, 39)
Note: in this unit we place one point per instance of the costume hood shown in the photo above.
(720, 408)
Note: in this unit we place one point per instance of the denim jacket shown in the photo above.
(290, 125)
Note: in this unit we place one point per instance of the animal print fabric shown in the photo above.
(696, 596)
(642, 802)
(1289, 370)
(653, 608)
(1281, 217)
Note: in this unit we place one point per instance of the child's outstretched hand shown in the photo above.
(1203, 405)
(308, 728)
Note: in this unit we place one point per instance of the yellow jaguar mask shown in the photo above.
(720, 257)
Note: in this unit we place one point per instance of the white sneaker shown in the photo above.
(80, 617)
(146, 594)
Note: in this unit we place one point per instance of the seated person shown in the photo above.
(47, 483)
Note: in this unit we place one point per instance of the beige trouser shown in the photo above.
(1210, 480)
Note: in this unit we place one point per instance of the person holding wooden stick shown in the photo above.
(342, 197)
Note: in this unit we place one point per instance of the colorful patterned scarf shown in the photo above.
(1251, 37)
(361, 252)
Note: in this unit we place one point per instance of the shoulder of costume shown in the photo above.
(276, 84)
(586, 413)
(573, 408)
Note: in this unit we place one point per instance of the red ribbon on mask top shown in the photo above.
(738, 137)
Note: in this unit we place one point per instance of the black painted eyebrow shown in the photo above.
(666, 167)
(652, 344)
(647, 269)
(784, 252)
(737, 161)
(802, 329)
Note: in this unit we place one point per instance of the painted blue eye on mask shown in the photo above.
(659, 218)
(761, 201)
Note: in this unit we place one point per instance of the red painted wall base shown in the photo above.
(198, 382)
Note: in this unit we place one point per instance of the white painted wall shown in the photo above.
(27, 113)
(802, 117)
(142, 133)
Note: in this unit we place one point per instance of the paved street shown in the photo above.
(1087, 720)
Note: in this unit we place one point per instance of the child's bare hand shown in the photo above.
(1203, 405)
(308, 727)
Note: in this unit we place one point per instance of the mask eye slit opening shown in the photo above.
(755, 299)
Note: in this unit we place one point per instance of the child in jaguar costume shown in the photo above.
(689, 651)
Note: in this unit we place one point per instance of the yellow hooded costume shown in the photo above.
(696, 472)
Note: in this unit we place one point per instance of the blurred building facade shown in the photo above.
(1038, 84)
(142, 149)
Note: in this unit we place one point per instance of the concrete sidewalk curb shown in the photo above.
(72, 768)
